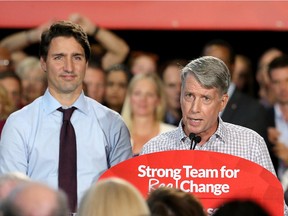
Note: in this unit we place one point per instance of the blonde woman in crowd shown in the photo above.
(144, 108)
(113, 197)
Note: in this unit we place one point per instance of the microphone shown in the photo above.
(194, 140)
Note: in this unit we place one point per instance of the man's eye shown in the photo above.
(57, 57)
(188, 95)
(206, 99)
(78, 57)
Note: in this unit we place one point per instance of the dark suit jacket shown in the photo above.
(246, 111)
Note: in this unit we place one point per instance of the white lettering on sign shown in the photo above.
(182, 178)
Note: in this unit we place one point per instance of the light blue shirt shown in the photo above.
(282, 127)
(30, 140)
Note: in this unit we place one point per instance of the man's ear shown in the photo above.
(43, 64)
(224, 101)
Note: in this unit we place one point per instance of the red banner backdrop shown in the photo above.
(160, 15)
(212, 177)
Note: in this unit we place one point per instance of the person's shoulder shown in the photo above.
(161, 142)
(173, 133)
(101, 109)
(27, 111)
(164, 127)
(240, 130)
(108, 119)
(24, 118)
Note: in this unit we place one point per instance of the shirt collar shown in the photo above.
(181, 132)
(219, 133)
(51, 104)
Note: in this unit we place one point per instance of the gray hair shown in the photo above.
(25, 66)
(9, 206)
(210, 72)
(11, 180)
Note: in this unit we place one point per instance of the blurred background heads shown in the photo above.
(35, 199)
(95, 77)
(241, 208)
(113, 197)
(6, 104)
(243, 76)
(12, 83)
(94, 81)
(5, 60)
(171, 76)
(117, 79)
(221, 49)
(9, 181)
(165, 201)
(143, 62)
(33, 79)
(265, 94)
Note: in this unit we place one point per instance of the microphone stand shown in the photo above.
(194, 140)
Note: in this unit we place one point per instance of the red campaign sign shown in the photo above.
(211, 176)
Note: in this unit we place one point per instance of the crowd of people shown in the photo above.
(126, 103)
(21, 196)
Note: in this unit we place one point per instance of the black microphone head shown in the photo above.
(191, 136)
(197, 139)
